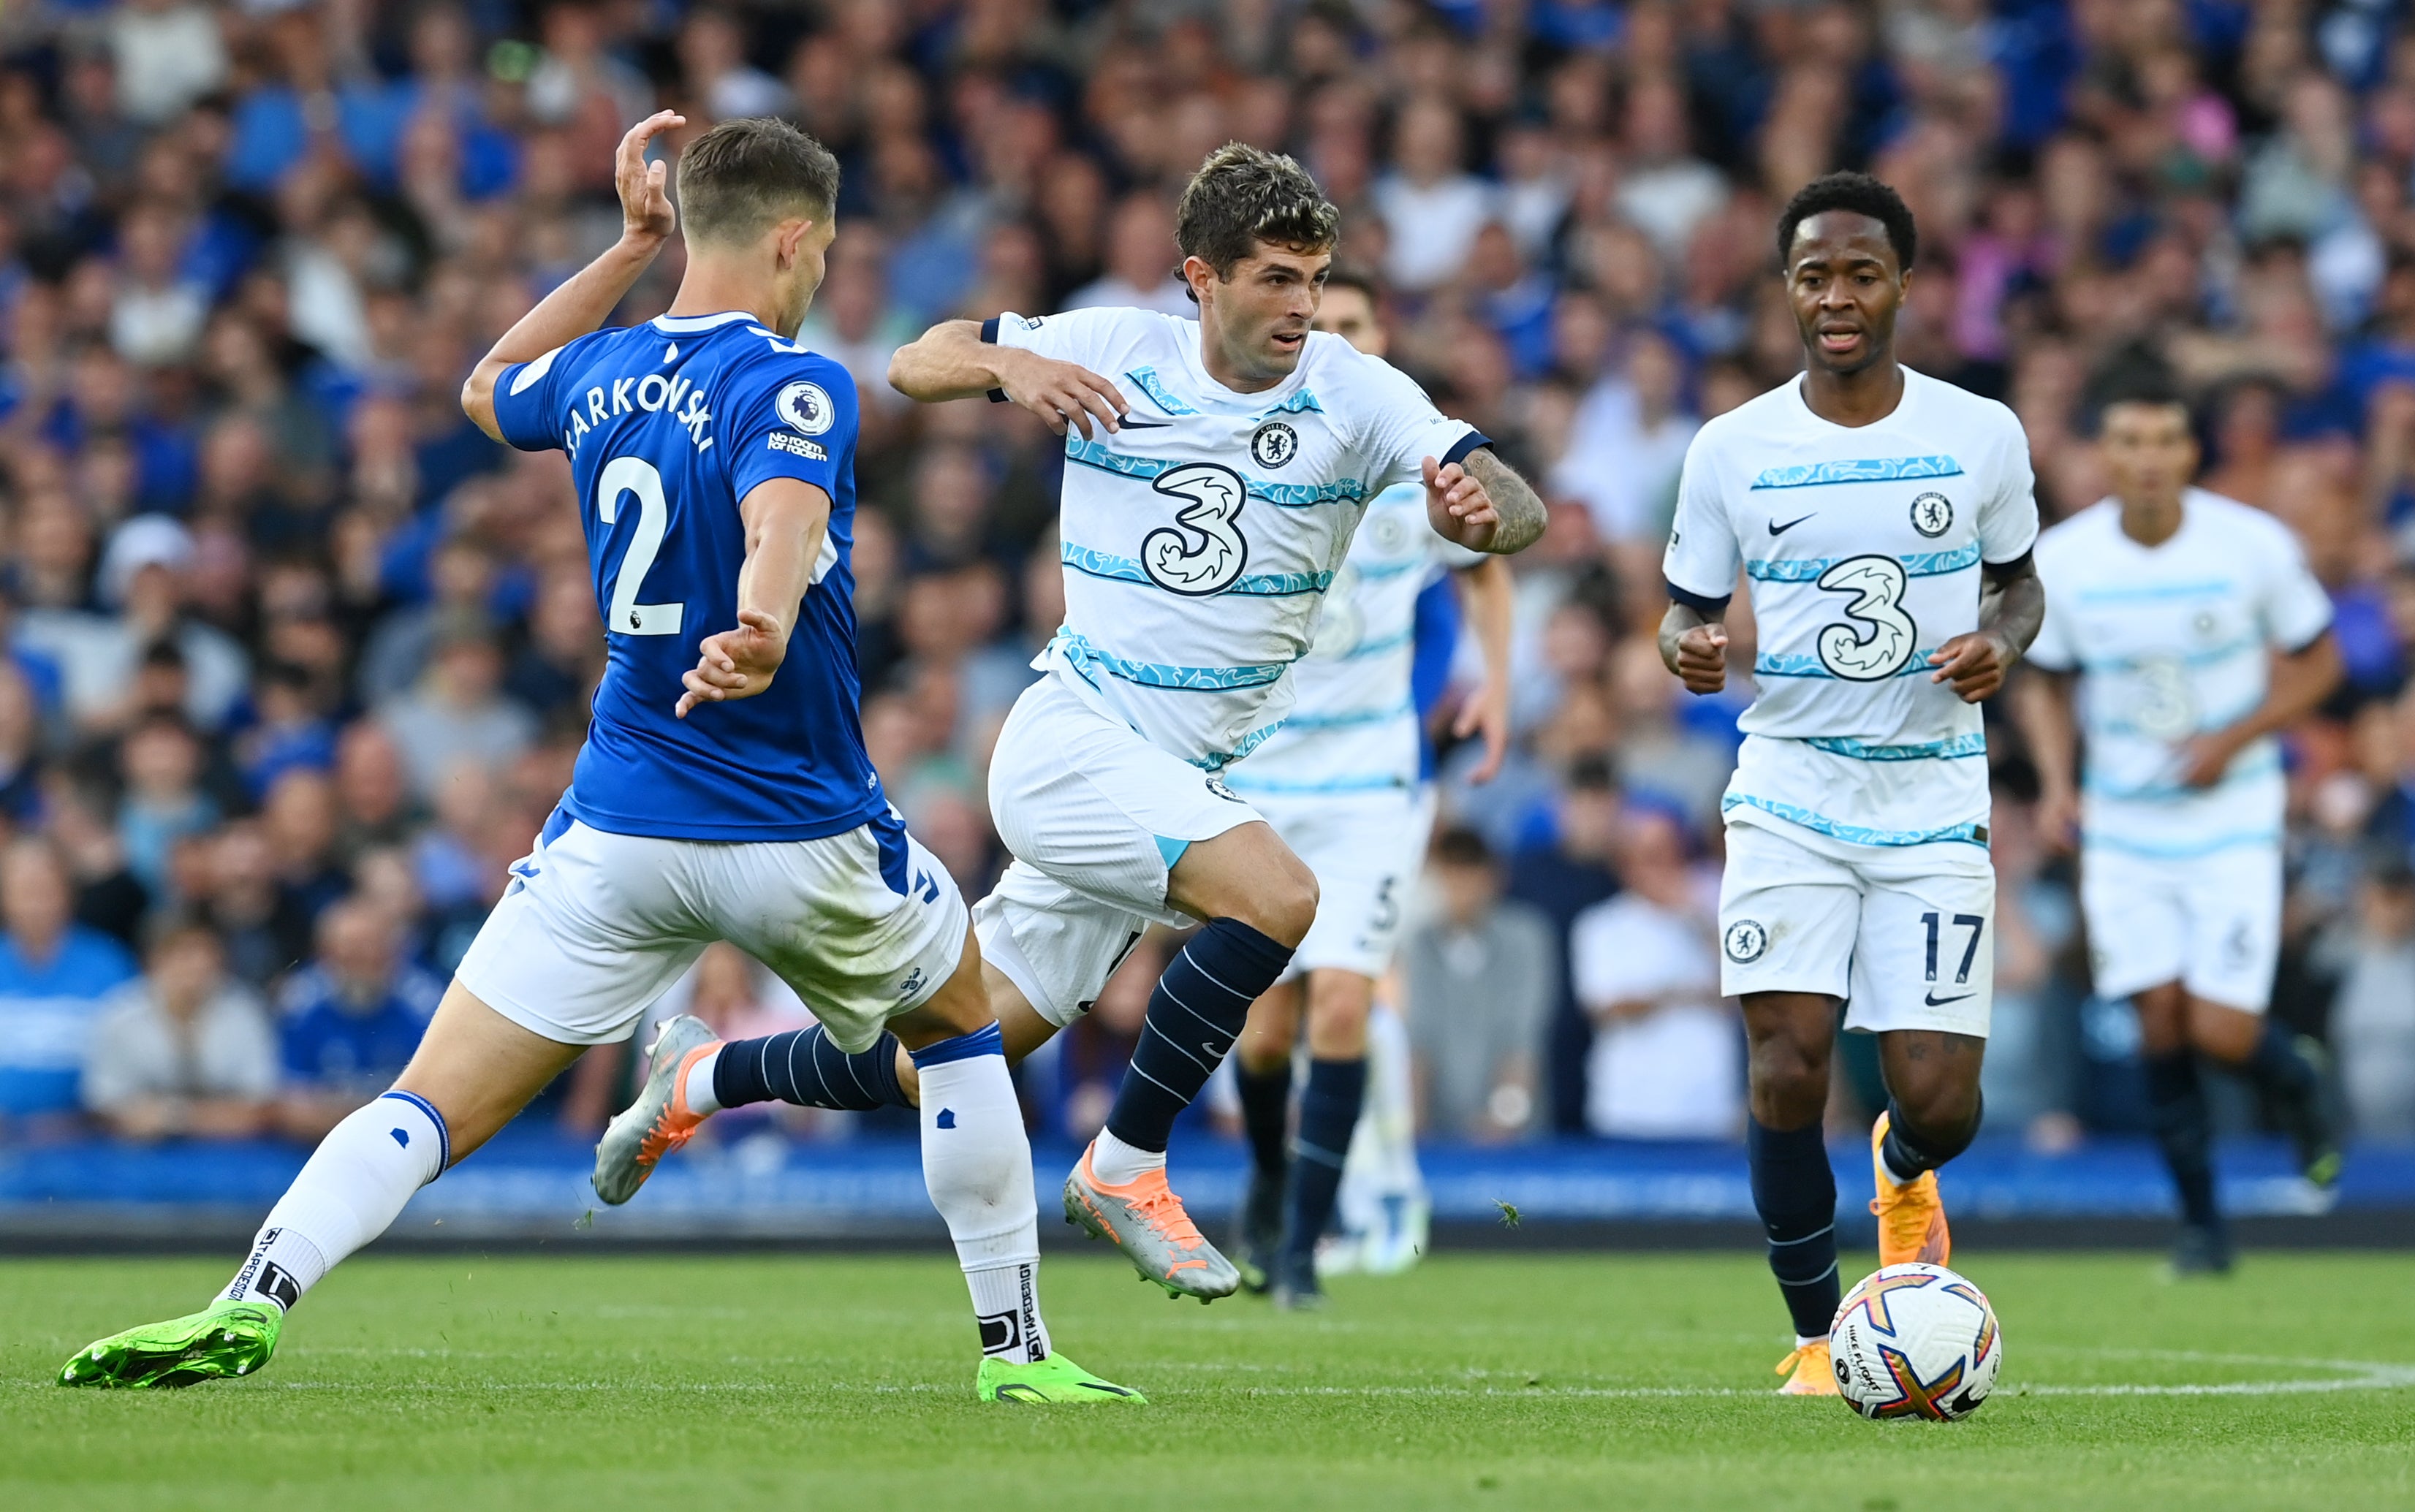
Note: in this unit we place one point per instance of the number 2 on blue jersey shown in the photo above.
(626, 616)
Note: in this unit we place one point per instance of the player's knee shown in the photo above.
(1942, 1116)
(1284, 904)
(1337, 1023)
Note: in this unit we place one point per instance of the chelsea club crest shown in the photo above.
(1274, 444)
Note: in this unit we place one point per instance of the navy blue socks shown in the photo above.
(2184, 1131)
(803, 1066)
(1328, 1111)
(1266, 1116)
(2279, 1069)
(1195, 1014)
(1795, 1191)
(1910, 1152)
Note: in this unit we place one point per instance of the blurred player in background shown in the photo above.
(1213, 487)
(723, 791)
(1341, 782)
(1882, 521)
(2195, 632)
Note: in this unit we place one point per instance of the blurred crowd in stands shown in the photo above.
(297, 661)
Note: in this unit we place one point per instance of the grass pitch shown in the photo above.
(1475, 1382)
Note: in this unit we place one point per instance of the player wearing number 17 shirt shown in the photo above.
(1882, 522)
(723, 791)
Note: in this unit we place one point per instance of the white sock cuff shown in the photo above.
(428, 1131)
(696, 1084)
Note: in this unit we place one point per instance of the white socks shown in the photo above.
(698, 1088)
(977, 1164)
(1114, 1163)
(353, 1188)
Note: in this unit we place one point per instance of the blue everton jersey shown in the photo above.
(669, 426)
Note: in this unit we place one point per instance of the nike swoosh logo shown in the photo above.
(1776, 528)
(1128, 423)
(1935, 1001)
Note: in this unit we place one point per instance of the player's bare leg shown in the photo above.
(1932, 1115)
(1789, 1038)
(1257, 900)
(474, 1071)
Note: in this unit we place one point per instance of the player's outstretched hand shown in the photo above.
(1486, 712)
(646, 212)
(735, 664)
(1703, 658)
(1975, 662)
(1060, 393)
(1461, 510)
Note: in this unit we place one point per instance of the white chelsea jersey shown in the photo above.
(1200, 539)
(2171, 641)
(1860, 547)
(1353, 728)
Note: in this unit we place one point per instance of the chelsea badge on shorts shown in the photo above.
(807, 407)
(1932, 515)
(1745, 941)
(1274, 444)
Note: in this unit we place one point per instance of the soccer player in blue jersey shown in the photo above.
(723, 791)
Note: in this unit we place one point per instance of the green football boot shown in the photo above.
(1054, 1379)
(226, 1339)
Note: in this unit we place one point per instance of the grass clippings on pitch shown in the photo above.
(529, 1383)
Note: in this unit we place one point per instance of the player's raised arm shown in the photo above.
(785, 519)
(1483, 505)
(953, 361)
(587, 298)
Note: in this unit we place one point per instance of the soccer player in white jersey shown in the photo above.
(2194, 632)
(1882, 522)
(1216, 471)
(1339, 782)
(723, 792)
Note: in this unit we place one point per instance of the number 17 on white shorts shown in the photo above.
(1904, 933)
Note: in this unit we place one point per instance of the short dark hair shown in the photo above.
(2148, 388)
(1859, 194)
(1351, 275)
(739, 178)
(1243, 195)
(1460, 845)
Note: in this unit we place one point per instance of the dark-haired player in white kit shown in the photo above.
(1882, 521)
(723, 793)
(2194, 631)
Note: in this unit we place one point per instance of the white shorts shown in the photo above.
(1365, 850)
(593, 927)
(1904, 933)
(2211, 922)
(1096, 817)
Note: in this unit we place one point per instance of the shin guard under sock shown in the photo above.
(1266, 1116)
(804, 1067)
(2183, 1129)
(1197, 1012)
(1328, 1113)
(1795, 1191)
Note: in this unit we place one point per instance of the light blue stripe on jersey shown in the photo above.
(1974, 745)
(1087, 657)
(1125, 570)
(2149, 592)
(1795, 663)
(1298, 403)
(2184, 850)
(1919, 564)
(1859, 470)
(1853, 834)
(2256, 770)
(1249, 743)
(2194, 658)
(1364, 716)
(1392, 569)
(1377, 648)
(1146, 380)
(1282, 495)
(1241, 781)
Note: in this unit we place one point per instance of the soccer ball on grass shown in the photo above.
(1915, 1341)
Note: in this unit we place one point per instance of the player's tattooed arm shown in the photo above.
(951, 361)
(1482, 504)
(2012, 606)
(1694, 646)
(586, 299)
